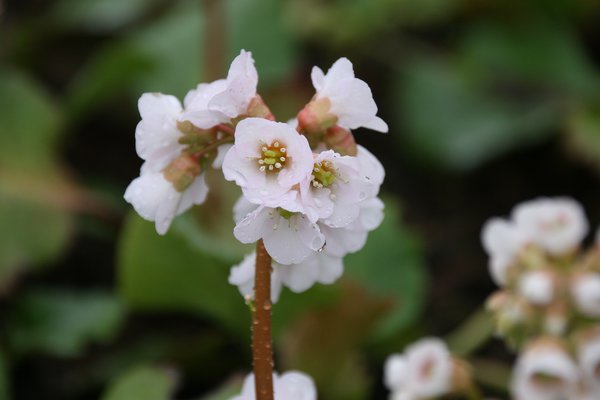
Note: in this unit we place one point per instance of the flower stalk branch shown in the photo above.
(262, 348)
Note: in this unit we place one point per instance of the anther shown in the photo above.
(261, 161)
(270, 167)
(283, 150)
(282, 159)
(264, 149)
(276, 144)
(261, 169)
(277, 165)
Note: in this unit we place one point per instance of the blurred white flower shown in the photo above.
(242, 275)
(291, 385)
(502, 240)
(585, 289)
(544, 371)
(426, 369)
(588, 355)
(537, 286)
(218, 102)
(267, 160)
(350, 99)
(557, 225)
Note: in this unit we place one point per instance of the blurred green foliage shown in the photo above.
(462, 83)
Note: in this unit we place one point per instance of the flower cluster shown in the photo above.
(291, 385)
(426, 370)
(549, 302)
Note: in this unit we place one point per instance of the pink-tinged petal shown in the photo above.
(242, 170)
(295, 386)
(198, 99)
(330, 268)
(371, 215)
(291, 241)
(195, 194)
(241, 208)
(153, 104)
(318, 78)
(253, 133)
(300, 277)
(221, 151)
(376, 124)
(254, 225)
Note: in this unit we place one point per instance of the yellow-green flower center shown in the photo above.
(273, 157)
(323, 174)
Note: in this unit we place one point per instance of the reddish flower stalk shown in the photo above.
(262, 347)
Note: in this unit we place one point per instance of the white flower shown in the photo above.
(588, 355)
(334, 190)
(585, 289)
(218, 102)
(289, 238)
(423, 371)
(351, 100)
(267, 160)
(537, 286)
(156, 199)
(395, 372)
(544, 371)
(371, 169)
(156, 135)
(291, 385)
(242, 275)
(502, 240)
(557, 225)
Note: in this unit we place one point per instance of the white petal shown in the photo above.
(291, 241)
(195, 194)
(394, 372)
(295, 385)
(585, 290)
(252, 227)
(152, 104)
(221, 152)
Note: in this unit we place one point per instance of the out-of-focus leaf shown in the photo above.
(325, 343)
(492, 373)
(4, 381)
(451, 120)
(583, 132)
(168, 273)
(258, 26)
(63, 323)
(34, 195)
(391, 265)
(99, 15)
(147, 383)
(534, 53)
(226, 391)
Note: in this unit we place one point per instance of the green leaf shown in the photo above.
(258, 26)
(4, 379)
(99, 15)
(169, 273)
(33, 189)
(391, 265)
(147, 383)
(62, 322)
(534, 52)
(583, 132)
(452, 120)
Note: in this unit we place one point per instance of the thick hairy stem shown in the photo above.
(262, 347)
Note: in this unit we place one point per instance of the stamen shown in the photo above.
(276, 144)
(283, 150)
(264, 149)
(262, 169)
(261, 161)
(271, 167)
(277, 165)
(282, 159)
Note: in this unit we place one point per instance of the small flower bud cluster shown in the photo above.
(291, 385)
(426, 370)
(547, 285)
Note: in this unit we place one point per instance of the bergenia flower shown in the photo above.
(348, 98)
(588, 355)
(426, 367)
(544, 371)
(292, 385)
(556, 225)
(220, 101)
(289, 237)
(242, 275)
(267, 160)
(156, 199)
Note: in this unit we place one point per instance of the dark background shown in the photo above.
(489, 103)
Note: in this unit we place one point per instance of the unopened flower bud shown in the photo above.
(315, 118)
(585, 289)
(341, 141)
(537, 286)
(462, 376)
(556, 319)
(182, 171)
(258, 108)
